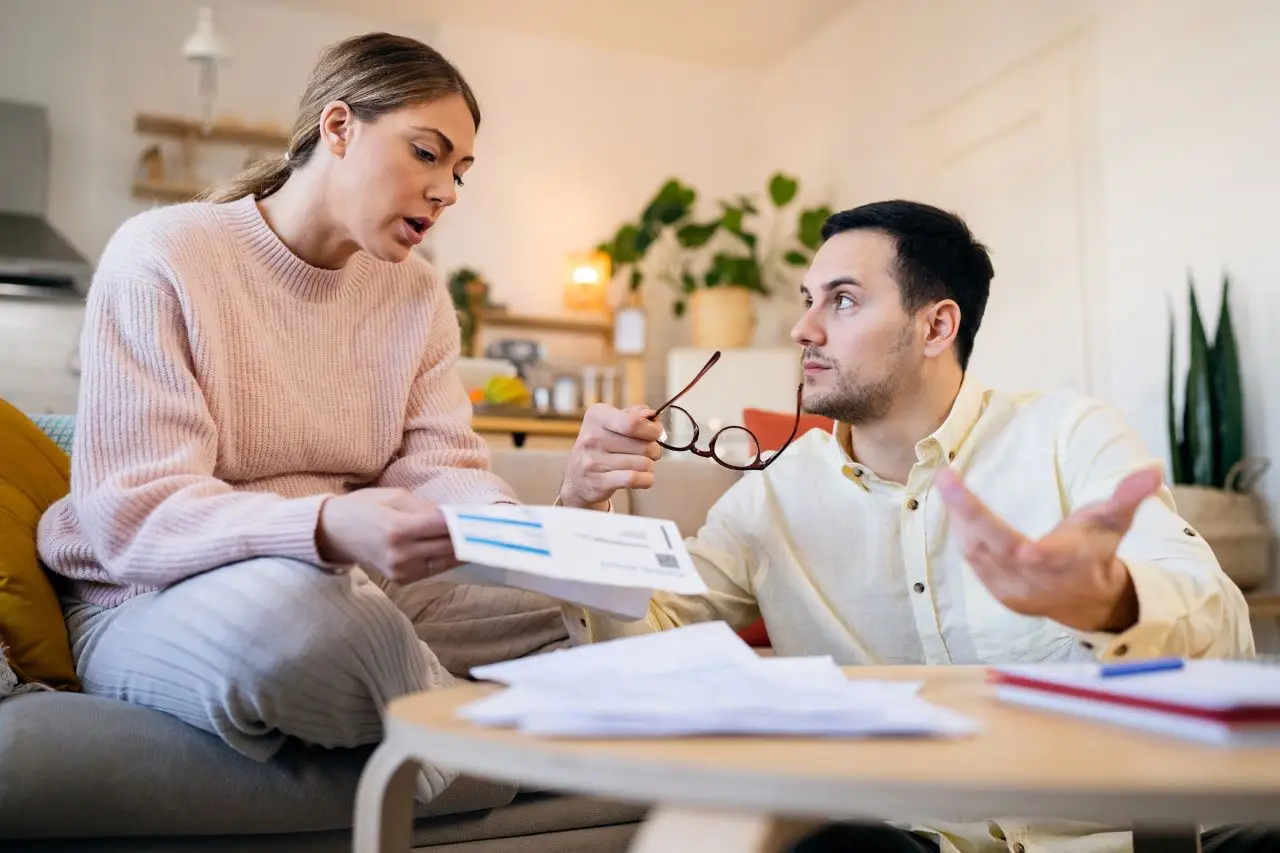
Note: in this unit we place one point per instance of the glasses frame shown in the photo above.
(710, 451)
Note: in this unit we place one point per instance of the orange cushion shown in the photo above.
(34, 472)
(771, 429)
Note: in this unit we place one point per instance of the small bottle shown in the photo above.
(564, 394)
(590, 387)
(609, 386)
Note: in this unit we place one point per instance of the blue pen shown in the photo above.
(1112, 670)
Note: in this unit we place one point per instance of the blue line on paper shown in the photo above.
(510, 545)
(515, 522)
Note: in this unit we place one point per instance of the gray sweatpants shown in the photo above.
(268, 649)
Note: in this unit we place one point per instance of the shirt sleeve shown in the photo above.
(143, 485)
(1187, 606)
(723, 554)
(440, 457)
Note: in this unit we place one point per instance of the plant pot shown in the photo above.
(723, 317)
(1233, 524)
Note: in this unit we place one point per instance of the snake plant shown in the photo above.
(1210, 443)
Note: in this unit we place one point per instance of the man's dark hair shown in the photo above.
(937, 258)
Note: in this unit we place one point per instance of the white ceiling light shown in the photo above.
(205, 48)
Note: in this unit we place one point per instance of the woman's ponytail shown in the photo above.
(260, 180)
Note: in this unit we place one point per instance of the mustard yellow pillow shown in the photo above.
(34, 472)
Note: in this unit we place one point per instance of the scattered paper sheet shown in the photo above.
(702, 679)
(604, 561)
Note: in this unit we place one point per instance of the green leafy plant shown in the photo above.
(722, 251)
(1209, 447)
(459, 292)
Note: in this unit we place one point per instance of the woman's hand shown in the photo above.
(393, 532)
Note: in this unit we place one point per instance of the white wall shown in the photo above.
(573, 139)
(1187, 133)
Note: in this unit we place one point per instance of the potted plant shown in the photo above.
(470, 294)
(716, 266)
(1212, 478)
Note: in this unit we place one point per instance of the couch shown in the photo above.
(81, 773)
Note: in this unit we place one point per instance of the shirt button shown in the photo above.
(1188, 531)
(919, 587)
(913, 504)
(1122, 649)
(1018, 848)
(951, 457)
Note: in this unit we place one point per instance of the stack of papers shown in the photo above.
(699, 680)
(1214, 701)
(607, 562)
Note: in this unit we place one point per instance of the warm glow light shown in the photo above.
(587, 282)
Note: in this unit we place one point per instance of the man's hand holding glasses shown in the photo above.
(615, 449)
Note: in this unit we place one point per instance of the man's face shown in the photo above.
(861, 348)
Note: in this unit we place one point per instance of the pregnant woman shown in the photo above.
(269, 419)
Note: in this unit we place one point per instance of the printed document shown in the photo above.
(604, 561)
(701, 679)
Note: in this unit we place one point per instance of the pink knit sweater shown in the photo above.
(228, 387)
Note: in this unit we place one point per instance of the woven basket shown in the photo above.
(1233, 523)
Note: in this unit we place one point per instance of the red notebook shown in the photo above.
(1217, 701)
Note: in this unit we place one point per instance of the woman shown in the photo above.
(268, 402)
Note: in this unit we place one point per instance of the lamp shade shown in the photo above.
(587, 282)
(204, 44)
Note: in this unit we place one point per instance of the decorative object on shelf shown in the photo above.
(206, 49)
(470, 295)
(521, 352)
(151, 166)
(587, 282)
(1212, 478)
(718, 265)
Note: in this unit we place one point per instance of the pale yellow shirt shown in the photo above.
(841, 562)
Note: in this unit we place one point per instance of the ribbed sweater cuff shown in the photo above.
(289, 530)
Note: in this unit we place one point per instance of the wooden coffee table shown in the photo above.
(757, 794)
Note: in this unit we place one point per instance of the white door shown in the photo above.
(1013, 157)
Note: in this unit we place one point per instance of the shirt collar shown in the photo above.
(946, 440)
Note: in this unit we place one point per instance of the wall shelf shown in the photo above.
(154, 181)
(231, 133)
(167, 191)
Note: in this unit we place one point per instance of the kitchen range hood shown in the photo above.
(35, 259)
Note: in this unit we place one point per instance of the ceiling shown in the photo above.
(736, 34)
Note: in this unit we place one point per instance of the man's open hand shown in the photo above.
(1072, 574)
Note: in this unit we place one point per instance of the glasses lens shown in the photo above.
(681, 431)
(735, 447)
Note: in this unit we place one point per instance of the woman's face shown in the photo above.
(395, 176)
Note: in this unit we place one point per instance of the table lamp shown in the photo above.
(587, 283)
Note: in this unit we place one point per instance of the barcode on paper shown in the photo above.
(667, 561)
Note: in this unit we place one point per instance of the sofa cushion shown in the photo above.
(535, 476)
(537, 823)
(73, 765)
(684, 488)
(34, 473)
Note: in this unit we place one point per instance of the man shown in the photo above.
(942, 522)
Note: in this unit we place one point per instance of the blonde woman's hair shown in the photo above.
(372, 74)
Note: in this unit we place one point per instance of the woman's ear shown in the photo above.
(335, 127)
(943, 320)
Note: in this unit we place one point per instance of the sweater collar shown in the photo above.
(295, 275)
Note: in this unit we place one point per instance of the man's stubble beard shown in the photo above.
(861, 403)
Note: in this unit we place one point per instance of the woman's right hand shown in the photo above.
(393, 532)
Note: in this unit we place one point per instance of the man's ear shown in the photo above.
(335, 127)
(942, 321)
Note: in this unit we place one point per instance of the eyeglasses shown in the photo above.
(710, 452)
